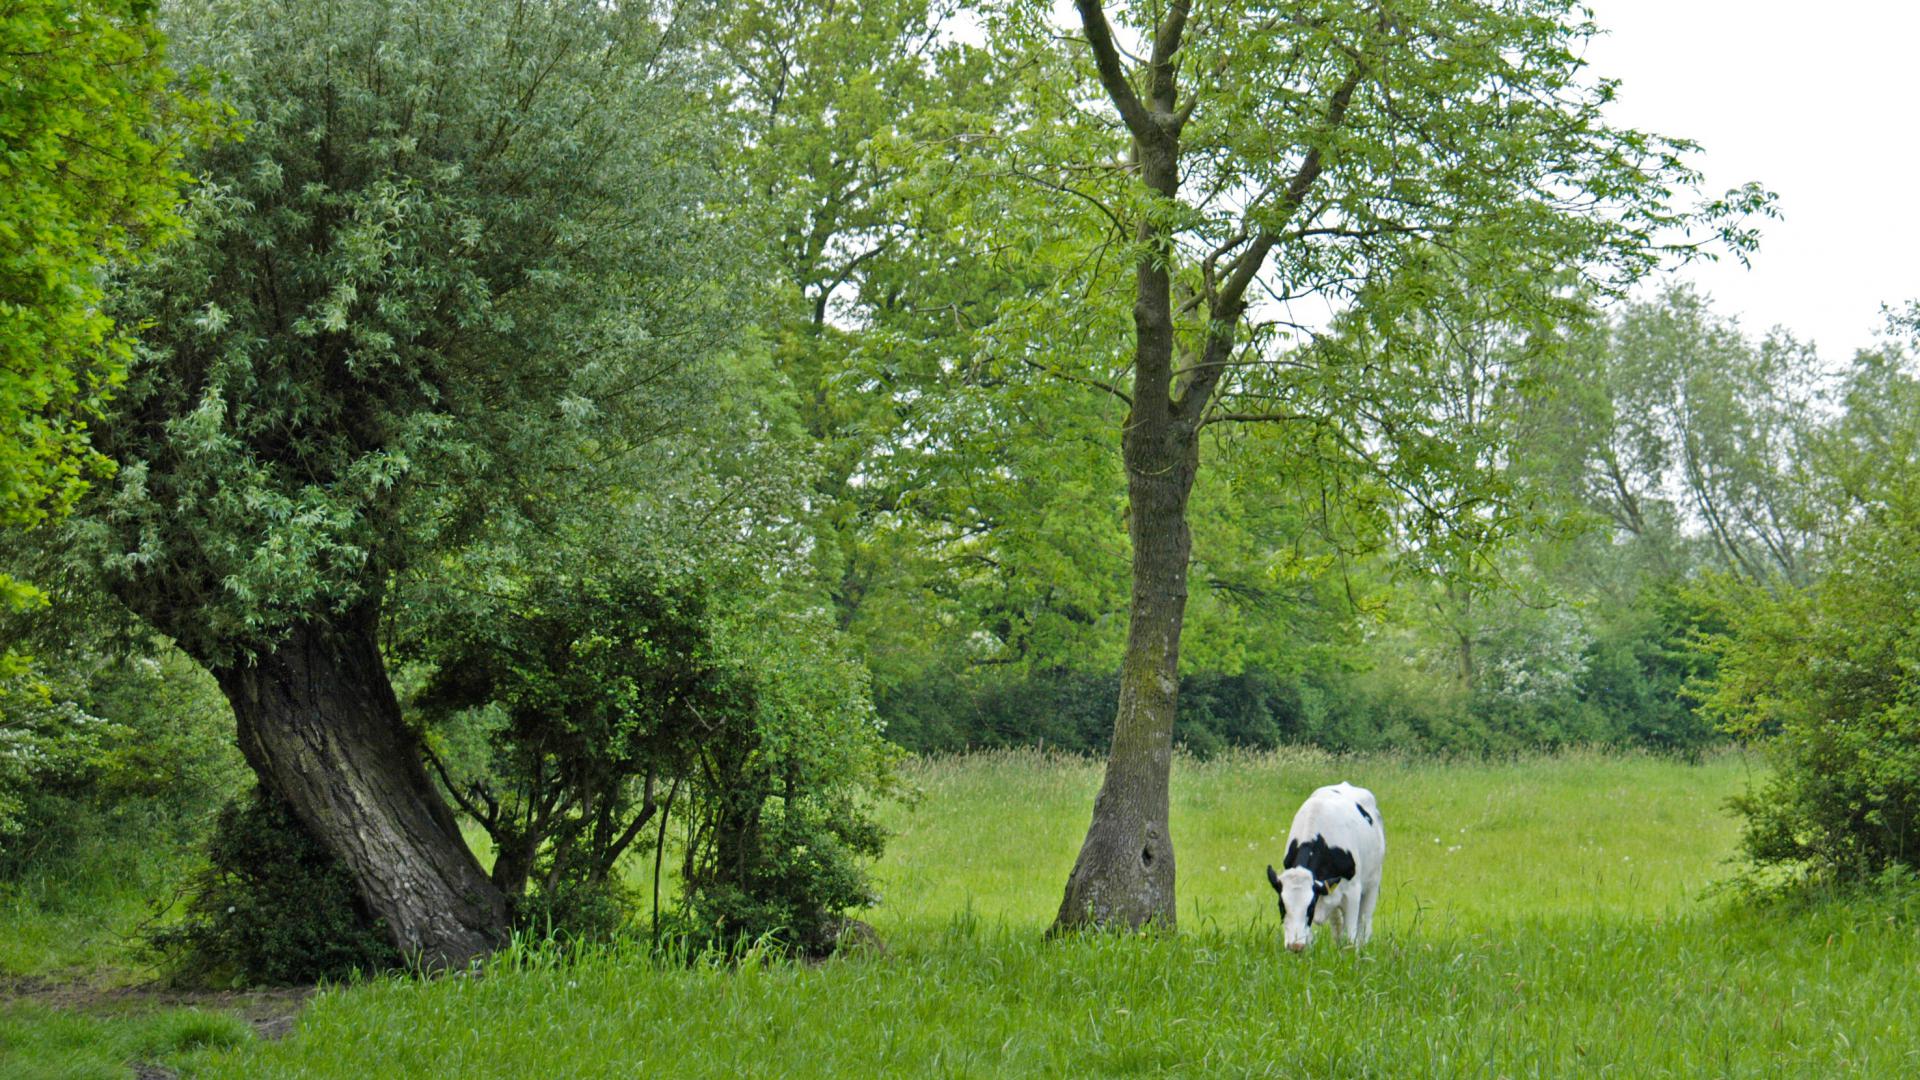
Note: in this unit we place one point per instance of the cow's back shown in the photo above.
(1345, 817)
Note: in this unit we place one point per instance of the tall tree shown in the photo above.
(1267, 153)
(89, 164)
(948, 552)
(1703, 409)
(815, 88)
(463, 266)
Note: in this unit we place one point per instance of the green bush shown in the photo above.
(781, 818)
(96, 750)
(576, 908)
(271, 908)
(1827, 677)
(576, 715)
(787, 881)
(1638, 673)
(49, 748)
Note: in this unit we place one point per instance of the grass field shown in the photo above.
(1540, 918)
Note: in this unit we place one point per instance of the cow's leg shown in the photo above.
(1350, 912)
(1367, 902)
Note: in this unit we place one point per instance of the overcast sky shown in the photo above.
(1817, 102)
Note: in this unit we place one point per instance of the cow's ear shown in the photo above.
(1319, 888)
(1273, 879)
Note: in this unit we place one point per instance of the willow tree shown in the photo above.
(1244, 157)
(462, 258)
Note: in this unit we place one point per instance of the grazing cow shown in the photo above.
(1334, 852)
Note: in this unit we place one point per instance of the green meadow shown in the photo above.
(1548, 917)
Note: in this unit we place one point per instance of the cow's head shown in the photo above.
(1299, 904)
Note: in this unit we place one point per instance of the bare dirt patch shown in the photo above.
(271, 1012)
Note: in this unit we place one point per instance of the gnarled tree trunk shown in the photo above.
(320, 726)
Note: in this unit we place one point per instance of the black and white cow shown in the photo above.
(1334, 852)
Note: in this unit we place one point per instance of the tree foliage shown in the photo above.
(1827, 674)
(90, 138)
(108, 745)
(443, 269)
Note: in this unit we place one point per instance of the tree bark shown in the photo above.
(1124, 876)
(319, 724)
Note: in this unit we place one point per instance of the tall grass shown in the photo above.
(40, 1043)
(1543, 917)
(81, 916)
(1577, 834)
(1718, 995)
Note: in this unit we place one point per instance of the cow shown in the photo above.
(1334, 852)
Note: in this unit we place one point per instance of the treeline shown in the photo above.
(1626, 693)
(1626, 473)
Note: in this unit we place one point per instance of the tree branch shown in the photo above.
(1242, 270)
(485, 821)
(1229, 304)
(1217, 417)
(1113, 76)
(1080, 380)
(647, 809)
(1065, 189)
(1166, 43)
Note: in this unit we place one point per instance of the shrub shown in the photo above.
(787, 878)
(780, 820)
(101, 750)
(1828, 676)
(576, 908)
(574, 714)
(48, 749)
(1638, 672)
(271, 908)
(1829, 679)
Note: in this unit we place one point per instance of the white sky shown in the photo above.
(1818, 103)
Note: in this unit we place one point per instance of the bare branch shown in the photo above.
(1113, 76)
(1080, 380)
(1218, 417)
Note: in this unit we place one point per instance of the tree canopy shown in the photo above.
(443, 273)
(1385, 157)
